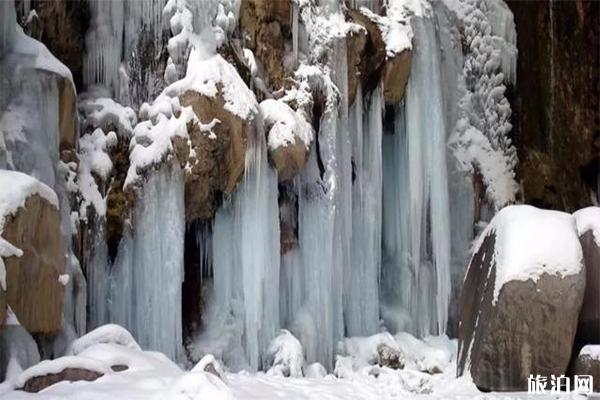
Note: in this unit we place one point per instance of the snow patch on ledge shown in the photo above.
(284, 124)
(588, 219)
(530, 242)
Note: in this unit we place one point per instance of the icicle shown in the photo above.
(8, 25)
(295, 33)
(246, 256)
(416, 210)
(362, 295)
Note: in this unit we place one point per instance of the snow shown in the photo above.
(285, 356)
(530, 242)
(110, 333)
(588, 219)
(63, 279)
(94, 161)
(284, 124)
(33, 54)
(591, 350)
(103, 112)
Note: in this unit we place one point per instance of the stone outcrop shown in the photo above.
(395, 76)
(33, 290)
(39, 383)
(17, 347)
(588, 363)
(67, 119)
(556, 131)
(266, 26)
(366, 54)
(218, 157)
(528, 328)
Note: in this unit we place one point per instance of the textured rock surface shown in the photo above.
(34, 292)
(39, 383)
(218, 164)
(390, 357)
(529, 330)
(67, 119)
(17, 344)
(366, 55)
(557, 131)
(265, 26)
(395, 76)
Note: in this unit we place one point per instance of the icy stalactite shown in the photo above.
(246, 256)
(362, 292)
(8, 24)
(416, 232)
(141, 290)
(124, 44)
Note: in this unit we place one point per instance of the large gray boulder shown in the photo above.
(520, 300)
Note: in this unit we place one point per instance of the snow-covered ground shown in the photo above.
(357, 375)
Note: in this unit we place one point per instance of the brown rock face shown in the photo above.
(67, 117)
(34, 293)
(218, 163)
(289, 160)
(40, 383)
(530, 329)
(366, 54)
(585, 364)
(265, 26)
(557, 130)
(395, 76)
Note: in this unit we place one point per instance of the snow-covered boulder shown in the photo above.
(588, 227)
(520, 299)
(18, 351)
(32, 253)
(285, 356)
(110, 333)
(197, 385)
(50, 372)
(588, 363)
(288, 136)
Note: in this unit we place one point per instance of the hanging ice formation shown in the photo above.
(416, 235)
(119, 34)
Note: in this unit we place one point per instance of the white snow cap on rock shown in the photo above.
(58, 365)
(591, 350)
(284, 124)
(588, 219)
(530, 242)
(110, 333)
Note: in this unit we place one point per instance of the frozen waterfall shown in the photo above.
(416, 232)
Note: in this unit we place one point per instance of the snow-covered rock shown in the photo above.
(69, 368)
(110, 333)
(588, 363)
(289, 136)
(32, 253)
(588, 227)
(285, 356)
(520, 299)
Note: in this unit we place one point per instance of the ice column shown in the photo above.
(362, 295)
(416, 235)
(246, 255)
